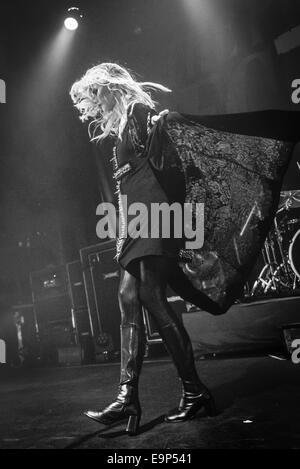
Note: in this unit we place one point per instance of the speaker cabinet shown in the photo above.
(76, 285)
(78, 299)
(26, 330)
(52, 308)
(101, 275)
(49, 283)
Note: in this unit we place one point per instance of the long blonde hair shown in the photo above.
(110, 78)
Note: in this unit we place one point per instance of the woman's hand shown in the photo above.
(155, 118)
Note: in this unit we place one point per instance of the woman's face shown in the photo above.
(106, 100)
(90, 104)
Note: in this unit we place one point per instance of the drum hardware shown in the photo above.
(288, 200)
(293, 221)
(279, 240)
(254, 211)
(294, 254)
(281, 251)
(273, 277)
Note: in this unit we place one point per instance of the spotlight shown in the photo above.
(71, 24)
(73, 19)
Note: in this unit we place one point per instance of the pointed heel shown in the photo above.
(133, 424)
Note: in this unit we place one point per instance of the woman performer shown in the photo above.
(231, 164)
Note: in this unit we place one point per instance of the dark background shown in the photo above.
(218, 56)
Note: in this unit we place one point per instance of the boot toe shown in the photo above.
(176, 416)
(93, 415)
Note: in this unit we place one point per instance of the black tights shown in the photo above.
(154, 274)
(148, 288)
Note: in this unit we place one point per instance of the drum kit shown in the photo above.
(281, 252)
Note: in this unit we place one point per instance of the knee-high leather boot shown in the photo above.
(195, 396)
(126, 406)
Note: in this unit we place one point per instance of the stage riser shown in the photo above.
(244, 326)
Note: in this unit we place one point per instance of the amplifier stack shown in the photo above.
(77, 311)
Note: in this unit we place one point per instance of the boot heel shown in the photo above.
(133, 424)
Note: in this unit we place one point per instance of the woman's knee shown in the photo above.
(151, 295)
(128, 296)
(153, 282)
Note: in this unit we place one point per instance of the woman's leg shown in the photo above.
(133, 339)
(154, 273)
(126, 406)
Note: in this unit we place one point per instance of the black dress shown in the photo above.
(233, 164)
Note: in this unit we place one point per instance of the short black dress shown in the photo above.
(233, 164)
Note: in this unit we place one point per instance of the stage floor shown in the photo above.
(258, 401)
